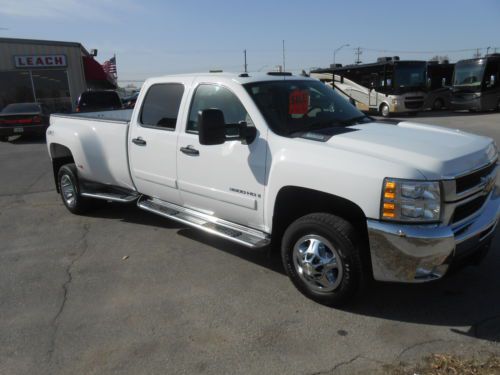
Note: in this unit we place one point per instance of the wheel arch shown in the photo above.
(293, 202)
(60, 156)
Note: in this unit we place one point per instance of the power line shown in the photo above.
(424, 52)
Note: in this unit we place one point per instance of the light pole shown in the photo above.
(487, 50)
(338, 49)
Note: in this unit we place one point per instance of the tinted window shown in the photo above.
(100, 99)
(291, 106)
(161, 105)
(216, 97)
(22, 108)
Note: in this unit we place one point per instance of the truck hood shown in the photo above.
(435, 151)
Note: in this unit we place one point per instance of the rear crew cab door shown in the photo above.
(152, 141)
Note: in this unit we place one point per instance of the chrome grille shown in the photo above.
(471, 180)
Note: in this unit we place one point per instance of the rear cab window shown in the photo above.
(100, 99)
(160, 107)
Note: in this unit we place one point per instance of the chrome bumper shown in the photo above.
(418, 253)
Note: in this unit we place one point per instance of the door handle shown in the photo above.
(139, 141)
(190, 150)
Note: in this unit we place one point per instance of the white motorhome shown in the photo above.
(385, 87)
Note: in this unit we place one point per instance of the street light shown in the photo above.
(338, 49)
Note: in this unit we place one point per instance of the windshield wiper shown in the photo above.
(315, 126)
(355, 120)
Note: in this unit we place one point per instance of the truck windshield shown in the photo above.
(468, 74)
(291, 106)
(409, 75)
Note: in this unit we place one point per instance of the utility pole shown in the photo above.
(358, 53)
(487, 50)
(477, 54)
(284, 66)
(245, 55)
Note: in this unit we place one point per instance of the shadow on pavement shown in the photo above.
(469, 297)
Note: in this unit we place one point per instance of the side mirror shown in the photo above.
(211, 127)
(492, 80)
(213, 130)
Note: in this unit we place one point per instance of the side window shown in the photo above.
(161, 105)
(216, 97)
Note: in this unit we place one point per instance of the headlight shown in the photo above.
(413, 201)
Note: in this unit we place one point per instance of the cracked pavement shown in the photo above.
(186, 303)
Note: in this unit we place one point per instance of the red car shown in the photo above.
(23, 118)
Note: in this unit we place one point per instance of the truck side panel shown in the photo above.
(99, 147)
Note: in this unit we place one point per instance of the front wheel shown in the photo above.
(384, 110)
(321, 258)
(438, 104)
(69, 188)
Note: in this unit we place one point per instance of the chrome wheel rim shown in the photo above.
(68, 190)
(385, 111)
(317, 263)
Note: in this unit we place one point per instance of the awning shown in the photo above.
(95, 75)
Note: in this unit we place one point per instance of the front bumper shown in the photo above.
(23, 130)
(418, 253)
(466, 103)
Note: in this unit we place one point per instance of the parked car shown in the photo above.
(23, 119)
(286, 161)
(105, 100)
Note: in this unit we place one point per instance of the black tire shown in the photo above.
(4, 138)
(438, 104)
(384, 110)
(340, 234)
(78, 205)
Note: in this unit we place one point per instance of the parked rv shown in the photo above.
(439, 81)
(476, 85)
(385, 87)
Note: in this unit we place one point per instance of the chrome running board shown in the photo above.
(234, 232)
(113, 197)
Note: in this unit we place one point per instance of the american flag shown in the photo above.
(109, 66)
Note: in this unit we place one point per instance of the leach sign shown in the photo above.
(40, 61)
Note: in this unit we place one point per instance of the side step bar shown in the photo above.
(113, 197)
(234, 232)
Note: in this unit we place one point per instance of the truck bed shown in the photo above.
(117, 115)
(98, 142)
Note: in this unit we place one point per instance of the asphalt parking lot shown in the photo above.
(124, 291)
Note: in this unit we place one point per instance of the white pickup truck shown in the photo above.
(283, 160)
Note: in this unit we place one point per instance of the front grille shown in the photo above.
(467, 209)
(414, 104)
(471, 180)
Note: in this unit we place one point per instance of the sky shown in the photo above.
(152, 38)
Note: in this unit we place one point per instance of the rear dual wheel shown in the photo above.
(321, 258)
(67, 178)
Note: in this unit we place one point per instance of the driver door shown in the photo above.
(227, 180)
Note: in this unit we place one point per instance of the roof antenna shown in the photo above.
(245, 55)
(284, 66)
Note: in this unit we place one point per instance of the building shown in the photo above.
(49, 72)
